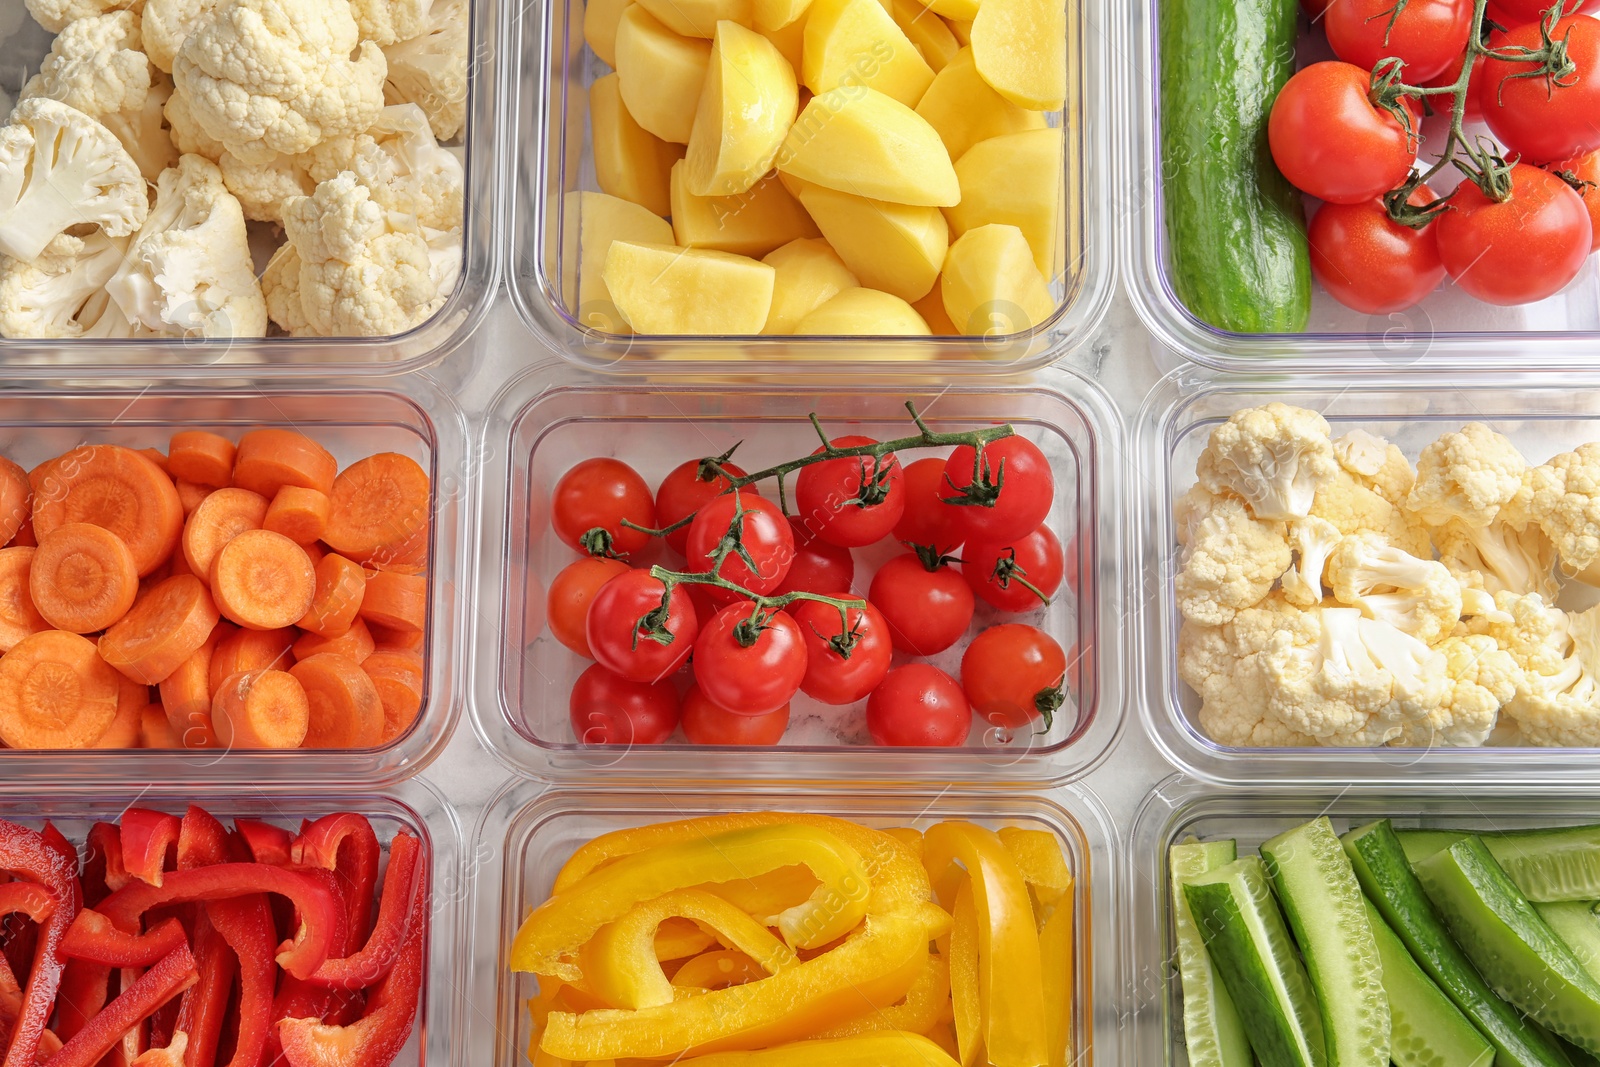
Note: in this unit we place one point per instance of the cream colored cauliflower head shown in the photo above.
(187, 135)
(1468, 476)
(1224, 665)
(1482, 679)
(57, 15)
(391, 21)
(1562, 708)
(1274, 457)
(42, 299)
(430, 70)
(1343, 500)
(278, 77)
(263, 188)
(280, 285)
(1376, 464)
(167, 23)
(1312, 540)
(1565, 503)
(1416, 596)
(1231, 562)
(1500, 557)
(402, 165)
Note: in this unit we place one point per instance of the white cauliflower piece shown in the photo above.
(278, 77)
(1354, 508)
(1483, 678)
(1223, 665)
(43, 298)
(1417, 596)
(189, 269)
(1565, 502)
(390, 21)
(1376, 464)
(167, 23)
(446, 256)
(102, 318)
(280, 285)
(430, 70)
(1468, 476)
(399, 160)
(1562, 707)
(187, 135)
(1312, 540)
(263, 188)
(57, 15)
(1189, 509)
(1503, 557)
(1231, 562)
(1275, 457)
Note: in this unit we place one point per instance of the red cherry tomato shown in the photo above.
(754, 678)
(1331, 142)
(764, 532)
(918, 705)
(708, 723)
(616, 639)
(684, 491)
(1516, 12)
(567, 603)
(1586, 170)
(1429, 35)
(1013, 674)
(599, 494)
(831, 677)
(1371, 263)
(927, 611)
(1524, 249)
(996, 570)
(1023, 501)
(1535, 117)
(608, 709)
(852, 501)
(928, 520)
(818, 567)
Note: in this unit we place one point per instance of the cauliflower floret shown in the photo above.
(1562, 708)
(1527, 627)
(390, 21)
(187, 135)
(401, 163)
(167, 23)
(43, 298)
(1566, 504)
(271, 77)
(1417, 596)
(1222, 664)
(189, 270)
(1275, 457)
(263, 188)
(1483, 677)
(446, 255)
(1468, 476)
(280, 285)
(430, 70)
(1375, 464)
(1231, 562)
(102, 318)
(59, 168)
(57, 15)
(1189, 509)
(1353, 508)
(1505, 556)
(1312, 540)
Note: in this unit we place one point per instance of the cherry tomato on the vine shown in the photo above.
(997, 570)
(1371, 263)
(1520, 250)
(747, 666)
(928, 520)
(834, 678)
(598, 494)
(616, 639)
(927, 610)
(567, 603)
(918, 705)
(1585, 169)
(1331, 141)
(683, 492)
(608, 709)
(764, 532)
(1516, 12)
(1544, 118)
(1024, 498)
(1013, 674)
(818, 567)
(1429, 35)
(852, 501)
(708, 723)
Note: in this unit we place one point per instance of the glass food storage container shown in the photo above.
(546, 421)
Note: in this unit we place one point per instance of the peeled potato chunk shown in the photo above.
(931, 308)
(629, 160)
(1015, 179)
(961, 30)
(963, 109)
(590, 223)
(861, 141)
(661, 74)
(927, 31)
(664, 289)
(955, 10)
(746, 106)
(776, 14)
(856, 42)
(600, 18)
(809, 274)
(697, 18)
(790, 41)
(893, 247)
(991, 285)
(863, 312)
(750, 224)
(1020, 47)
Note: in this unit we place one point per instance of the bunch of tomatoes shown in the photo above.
(723, 659)
(1522, 239)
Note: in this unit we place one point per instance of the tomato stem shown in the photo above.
(1008, 570)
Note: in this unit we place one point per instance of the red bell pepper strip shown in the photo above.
(205, 1004)
(378, 1036)
(175, 973)
(246, 924)
(27, 854)
(268, 843)
(27, 898)
(202, 841)
(345, 844)
(94, 938)
(399, 909)
(146, 837)
(172, 1055)
(299, 999)
(105, 853)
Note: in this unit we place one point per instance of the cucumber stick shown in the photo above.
(1426, 1030)
(1323, 902)
(1245, 934)
(1546, 865)
(1213, 1032)
(1380, 865)
(1578, 924)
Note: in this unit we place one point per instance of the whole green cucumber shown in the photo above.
(1235, 226)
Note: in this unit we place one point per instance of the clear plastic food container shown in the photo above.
(546, 421)
(350, 422)
(1180, 807)
(549, 153)
(529, 830)
(23, 43)
(1542, 416)
(1449, 329)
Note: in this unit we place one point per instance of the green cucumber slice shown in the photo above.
(1426, 1029)
(1576, 922)
(1213, 1032)
(1420, 844)
(1323, 903)
(1523, 959)
(1247, 939)
(1380, 865)
(1548, 865)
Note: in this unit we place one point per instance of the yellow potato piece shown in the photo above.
(790, 41)
(600, 20)
(629, 160)
(809, 274)
(863, 142)
(931, 308)
(1020, 47)
(863, 312)
(746, 106)
(663, 289)
(855, 43)
(776, 14)
(661, 73)
(964, 110)
(590, 223)
(955, 10)
(990, 284)
(927, 31)
(750, 224)
(1015, 179)
(961, 30)
(893, 247)
(697, 18)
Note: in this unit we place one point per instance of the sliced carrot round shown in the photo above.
(186, 696)
(16, 499)
(18, 616)
(124, 729)
(156, 456)
(263, 581)
(381, 507)
(190, 494)
(354, 644)
(154, 729)
(218, 519)
(117, 488)
(315, 551)
(83, 578)
(24, 537)
(340, 587)
(201, 457)
(299, 514)
(268, 460)
(396, 601)
(251, 650)
(387, 640)
(164, 627)
(398, 678)
(56, 692)
(346, 711)
(261, 709)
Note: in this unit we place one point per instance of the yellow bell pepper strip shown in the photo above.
(944, 1035)
(927, 1004)
(966, 996)
(907, 836)
(620, 963)
(678, 939)
(717, 970)
(769, 894)
(1009, 973)
(889, 1048)
(551, 936)
(1044, 868)
(1055, 957)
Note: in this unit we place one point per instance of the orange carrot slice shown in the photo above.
(261, 709)
(354, 644)
(340, 586)
(56, 692)
(268, 460)
(299, 514)
(18, 616)
(395, 601)
(315, 552)
(165, 627)
(156, 456)
(117, 488)
(24, 537)
(200, 457)
(16, 499)
(346, 711)
(83, 578)
(251, 650)
(381, 507)
(263, 581)
(218, 519)
(190, 494)
(387, 640)
(123, 732)
(398, 678)
(186, 696)
(154, 729)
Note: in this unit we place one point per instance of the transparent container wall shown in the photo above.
(1447, 329)
(1179, 808)
(1541, 419)
(523, 695)
(526, 834)
(352, 424)
(551, 154)
(23, 43)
